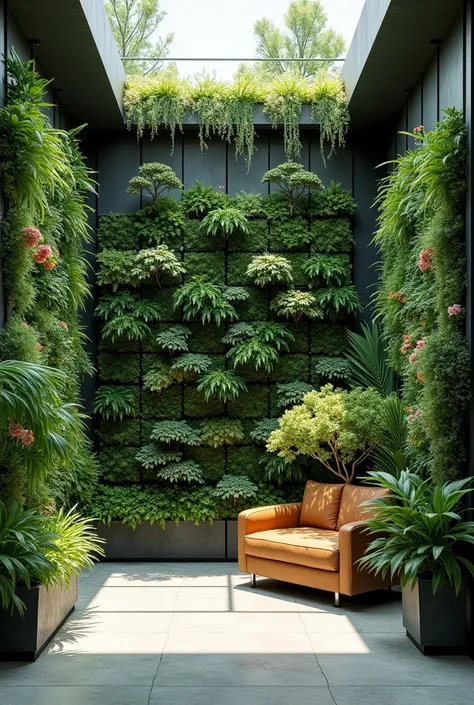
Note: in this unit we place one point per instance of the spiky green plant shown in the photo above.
(224, 385)
(291, 393)
(296, 304)
(151, 455)
(235, 487)
(189, 365)
(368, 360)
(175, 432)
(328, 269)
(174, 339)
(199, 297)
(219, 432)
(225, 221)
(184, 471)
(293, 181)
(154, 179)
(115, 402)
(270, 269)
(156, 262)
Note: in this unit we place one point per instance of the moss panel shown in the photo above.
(164, 405)
(119, 465)
(207, 264)
(287, 235)
(165, 298)
(256, 306)
(300, 332)
(328, 339)
(255, 241)
(119, 368)
(332, 235)
(237, 264)
(196, 239)
(120, 345)
(250, 405)
(244, 460)
(118, 232)
(196, 407)
(249, 373)
(297, 260)
(205, 338)
(211, 460)
(119, 433)
(291, 368)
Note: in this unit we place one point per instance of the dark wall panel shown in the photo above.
(451, 73)
(277, 152)
(17, 40)
(240, 178)
(402, 127)
(430, 93)
(159, 150)
(338, 167)
(414, 111)
(209, 166)
(118, 161)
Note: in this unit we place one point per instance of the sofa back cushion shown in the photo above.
(352, 498)
(321, 505)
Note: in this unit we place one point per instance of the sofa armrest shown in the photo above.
(276, 516)
(354, 540)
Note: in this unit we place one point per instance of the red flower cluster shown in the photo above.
(31, 236)
(419, 346)
(399, 297)
(20, 433)
(46, 256)
(407, 344)
(39, 347)
(425, 262)
(414, 415)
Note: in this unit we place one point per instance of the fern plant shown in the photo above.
(174, 339)
(225, 221)
(262, 429)
(158, 377)
(275, 333)
(175, 432)
(125, 326)
(260, 354)
(280, 470)
(295, 304)
(152, 455)
(270, 269)
(328, 269)
(184, 471)
(200, 200)
(189, 365)
(199, 297)
(238, 332)
(125, 303)
(335, 299)
(220, 432)
(235, 293)
(291, 393)
(115, 402)
(155, 263)
(235, 487)
(224, 385)
(333, 368)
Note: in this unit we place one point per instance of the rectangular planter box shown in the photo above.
(436, 624)
(185, 542)
(24, 638)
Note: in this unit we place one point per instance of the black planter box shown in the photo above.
(183, 542)
(24, 638)
(436, 624)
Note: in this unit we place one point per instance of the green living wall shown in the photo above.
(189, 392)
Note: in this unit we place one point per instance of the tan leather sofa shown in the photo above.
(316, 542)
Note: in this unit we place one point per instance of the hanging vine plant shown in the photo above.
(329, 107)
(242, 97)
(283, 104)
(208, 100)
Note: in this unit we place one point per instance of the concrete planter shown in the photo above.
(24, 638)
(185, 542)
(436, 624)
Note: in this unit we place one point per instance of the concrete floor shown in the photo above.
(197, 634)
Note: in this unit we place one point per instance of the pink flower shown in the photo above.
(20, 433)
(42, 254)
(425, 260)
(63, 324)
(419, 129)
(24, 324)
(420, 377)
(454, 310)
(39, 347)
(31, 236)
(412, 357)
(421, 344)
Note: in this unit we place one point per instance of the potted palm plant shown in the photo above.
(420, 535)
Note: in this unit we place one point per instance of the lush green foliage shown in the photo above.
(219, 432)
(332, 368)
(235, 487)
(174, 339)
(270, 269)
(175, 432)
(334, 299)
(225, 221)
(291, 393)
(189, 365)
(155, 263)
(158, 377)
(422, 530)
(337, 428)
(124, 303)
(199, 297)
(262, 430)
(115, 402)
(296, 304)
(328, 270)
(368, 360)
(151, 455)
(221, 384)
(201, 200)
(184, 471)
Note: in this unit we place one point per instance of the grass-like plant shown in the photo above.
(225, 221)
(154, 179)
(368, 360)
(125, 326)
(328, 269)
(183, 471)
(421, 530)
(220, 432)
(293, 181)
(224, 385)
(155, 263)
(201, 200)
(270, 269)
(335, 299)
(189, 365)
(115, 402)
(291, 393)
(151, 455)
(262, 430)
(175, 432)
(235, 488)
(174, 339)
(199, 297)
(295, 304)
(158, 377)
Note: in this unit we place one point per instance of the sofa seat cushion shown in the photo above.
(303, 545)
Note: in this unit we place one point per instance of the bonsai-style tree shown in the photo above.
(336, 427)
(293, 181)
(155, 179)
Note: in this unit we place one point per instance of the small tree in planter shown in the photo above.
(293, 181)
(422, 535)
(155, 179)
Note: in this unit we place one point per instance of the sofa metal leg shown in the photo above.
(253, 580)
(337, 602)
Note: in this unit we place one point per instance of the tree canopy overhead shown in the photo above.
(305, 36)
(134, 23)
